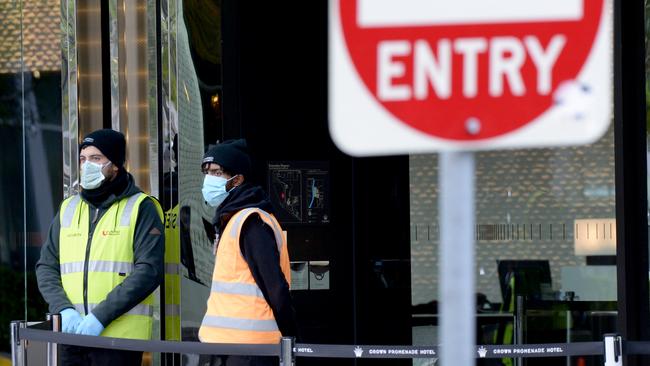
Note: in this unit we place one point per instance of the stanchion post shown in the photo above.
(613, 350)
(52, 357)
(286, 351)
(519, 326)
(17, 346)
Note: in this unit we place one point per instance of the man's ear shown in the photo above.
(115, 168)
(238, 180)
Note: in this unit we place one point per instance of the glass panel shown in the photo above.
(30, 142)
(199, 116)
(545, 231)
(191, 61)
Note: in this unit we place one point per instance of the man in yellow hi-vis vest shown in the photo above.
(103, 256)
(249, 300)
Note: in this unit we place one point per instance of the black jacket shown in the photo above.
(259, 248)
(148, 257)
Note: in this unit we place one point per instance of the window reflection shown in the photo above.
(191, 60)
(30, 144)
(535, 212)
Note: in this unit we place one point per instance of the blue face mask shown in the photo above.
(91, 175)
(214, 189)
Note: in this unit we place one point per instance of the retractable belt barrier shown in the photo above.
(149, 346)
(482, 351)
(636, 348)
(613, 347)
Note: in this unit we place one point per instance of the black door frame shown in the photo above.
(631, 172)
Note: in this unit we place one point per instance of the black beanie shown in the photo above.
(232, 155)
(110, 142)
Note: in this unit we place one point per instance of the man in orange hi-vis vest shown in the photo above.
(249, 300)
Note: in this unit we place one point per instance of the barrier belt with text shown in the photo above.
(40, 332)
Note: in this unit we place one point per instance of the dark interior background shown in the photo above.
(275, 95)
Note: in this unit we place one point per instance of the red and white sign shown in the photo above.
(414, 76)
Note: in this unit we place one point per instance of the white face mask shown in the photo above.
(214, 190)
(91, 175)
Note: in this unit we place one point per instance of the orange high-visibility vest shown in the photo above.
(237, 311)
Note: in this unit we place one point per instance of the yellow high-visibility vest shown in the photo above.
(172, 276)
(237, 311)
(109, 261)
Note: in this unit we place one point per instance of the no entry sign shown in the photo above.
(414, 76)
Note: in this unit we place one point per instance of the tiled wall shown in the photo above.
(526, 204)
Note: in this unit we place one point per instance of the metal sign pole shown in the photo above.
(456, 300)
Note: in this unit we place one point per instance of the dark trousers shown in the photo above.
(86, 356)
(244, 361)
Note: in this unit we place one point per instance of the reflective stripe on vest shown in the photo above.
(125, 220)
(237, 289)
(140, 309)
(108, 263)
(128, 209)
(172, 310)
(68, 213)
(97, 266)
(277, 232)
(172, 268)
(237, 311)
(241, 324)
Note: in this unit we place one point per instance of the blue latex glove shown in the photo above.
(70, 319)
(90, 326)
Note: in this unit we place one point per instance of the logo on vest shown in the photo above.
(110, 232)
